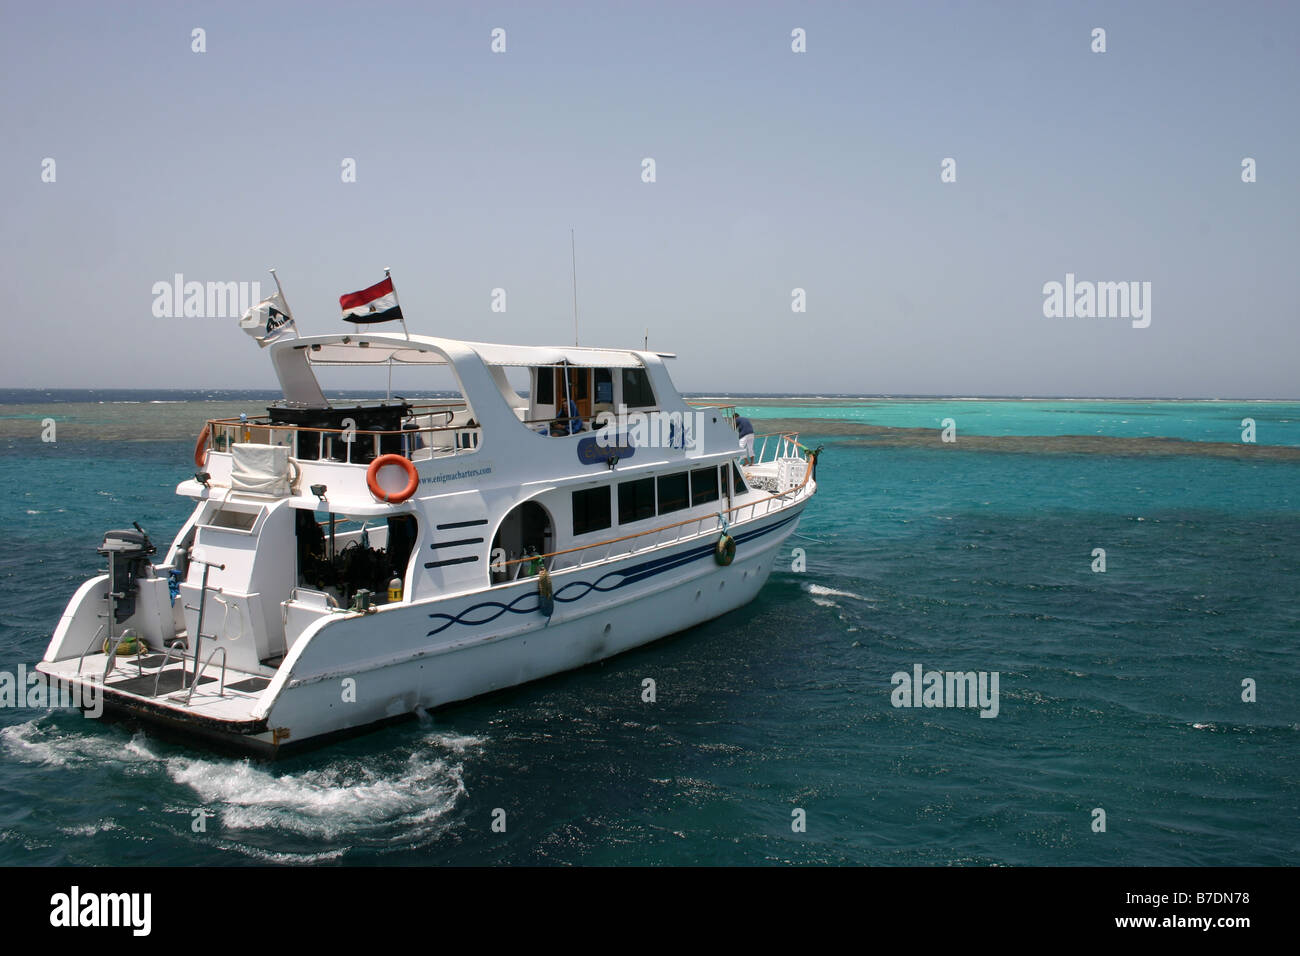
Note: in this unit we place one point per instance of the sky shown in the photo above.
(774, 170)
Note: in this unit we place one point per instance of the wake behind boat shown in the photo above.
(347, 563)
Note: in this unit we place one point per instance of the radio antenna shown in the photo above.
(573, 252)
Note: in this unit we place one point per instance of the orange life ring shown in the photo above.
(372, 474)
(201, 446)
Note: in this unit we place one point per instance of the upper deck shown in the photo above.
(568, 410)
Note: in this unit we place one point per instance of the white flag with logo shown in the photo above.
(268, 321)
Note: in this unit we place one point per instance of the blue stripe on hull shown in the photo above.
(530, 602)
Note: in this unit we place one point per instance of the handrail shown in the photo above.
(264, 422)
(561, 416)
(221, 690)
(285, 427)
(428, 408)
(93, 639)
(590, 422)
(640, 534)
(416, 411)
(163, 666)
(112, 657)
(227, 431)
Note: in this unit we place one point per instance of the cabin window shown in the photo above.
(545, 387)
(738, 481)
(233, 520)
(704, 485)
(673, 492)
(591, 510)
(636, 500)
(604, 387)
(636, 388)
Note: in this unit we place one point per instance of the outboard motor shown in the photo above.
(128, 552)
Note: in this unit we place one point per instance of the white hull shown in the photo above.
(310, 595)
(466, 664)
(488, 649)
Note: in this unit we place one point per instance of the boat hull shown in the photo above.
(353, 672)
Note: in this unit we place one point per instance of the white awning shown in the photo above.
(546, 355)
(422, 350)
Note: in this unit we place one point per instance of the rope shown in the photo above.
(225, 617)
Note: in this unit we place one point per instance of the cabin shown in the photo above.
(549, 458)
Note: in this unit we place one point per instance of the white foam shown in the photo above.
(346, 797)
(39, 741)
(275, 856)
(455, 742)
(818, 590)
(393, 799)
(90, 829)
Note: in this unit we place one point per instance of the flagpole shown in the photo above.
(389, 276)
(280, 289)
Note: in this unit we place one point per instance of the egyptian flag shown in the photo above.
(376, 304)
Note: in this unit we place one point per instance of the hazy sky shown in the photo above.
(775, 170)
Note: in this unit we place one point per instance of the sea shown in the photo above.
(1126, 570)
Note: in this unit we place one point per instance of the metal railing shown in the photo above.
(558, 425)
(163, 666)
(784, 445)
(94, 642)
(728, 410)
(349, 445)
(221, 690)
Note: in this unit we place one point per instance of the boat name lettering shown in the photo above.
(592, 450)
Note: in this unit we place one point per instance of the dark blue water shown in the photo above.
(1118, 690)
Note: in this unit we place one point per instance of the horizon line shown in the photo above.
(709, 394)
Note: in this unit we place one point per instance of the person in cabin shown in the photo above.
(411, 439)
(746, 430)
(575, 420)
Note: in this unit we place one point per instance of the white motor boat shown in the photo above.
(348, 563)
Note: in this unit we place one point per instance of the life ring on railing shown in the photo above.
(201, 446)
(725, 550)
(372, 476)
(545, 592)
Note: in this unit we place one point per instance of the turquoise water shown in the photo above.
(1118, 690)
(1276, 423)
